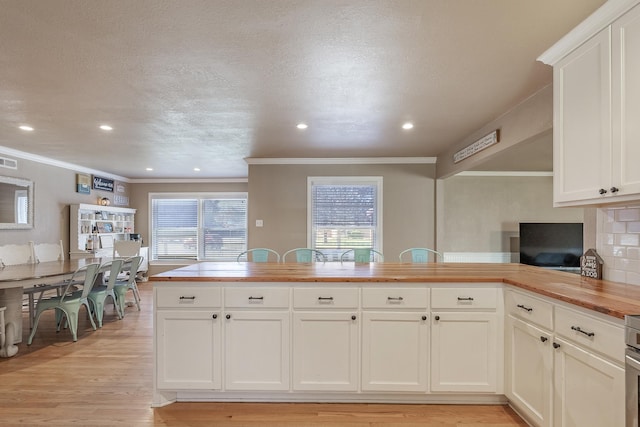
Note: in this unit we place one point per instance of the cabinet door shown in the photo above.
(588, 390)
(582, 122)
(325, 351)
(626, 101)
(188, 350)
(256, 350)
(529, 359)
(464, 352)
(394, 351)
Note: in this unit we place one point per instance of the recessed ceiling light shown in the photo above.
(407, 126)
(106, 127)
(196, 169)
(302, 126)
(149, 169)
(26, 128)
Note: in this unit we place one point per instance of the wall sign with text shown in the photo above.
(100, 183)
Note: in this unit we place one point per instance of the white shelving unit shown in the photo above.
(100, 225)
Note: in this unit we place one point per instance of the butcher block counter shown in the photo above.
(549, 343)
(610, 298)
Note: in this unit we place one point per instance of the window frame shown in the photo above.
(376, 181)
(200, 197)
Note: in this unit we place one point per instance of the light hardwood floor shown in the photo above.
(104, 379)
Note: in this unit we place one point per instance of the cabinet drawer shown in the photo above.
(464, 298)
(395, 298)
(591, 333)
(324, 298)
(256, 297)
(188, 296)
(530, 309)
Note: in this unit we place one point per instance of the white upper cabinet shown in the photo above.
(596, 98)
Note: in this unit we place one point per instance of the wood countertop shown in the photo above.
(610, 298)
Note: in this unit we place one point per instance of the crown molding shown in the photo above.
(598, 20)
(64, 165)
(189, 181)
(340, 160)
(504, 173)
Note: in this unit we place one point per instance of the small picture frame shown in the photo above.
(105, 215)
(105, 227)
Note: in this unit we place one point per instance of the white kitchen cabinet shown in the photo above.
(588, 389)
(395, 339)
(464, 352)
(325, 351)
(256, 350)
(529, 362)
(596, 104)
(188, 350)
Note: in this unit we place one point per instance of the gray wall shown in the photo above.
(278, 196)
(481, 213)
(54, 190)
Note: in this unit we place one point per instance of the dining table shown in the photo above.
(15, 279)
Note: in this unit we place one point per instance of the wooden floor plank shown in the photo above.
(105, 379)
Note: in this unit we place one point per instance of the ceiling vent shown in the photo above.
(8, 163)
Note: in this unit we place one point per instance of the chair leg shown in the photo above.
(136, 294)
(93, 324)
(35, 327)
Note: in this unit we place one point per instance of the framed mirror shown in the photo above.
(16, 203)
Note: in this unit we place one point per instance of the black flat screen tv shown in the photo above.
(551, 245)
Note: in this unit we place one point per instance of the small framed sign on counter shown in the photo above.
(591, 264)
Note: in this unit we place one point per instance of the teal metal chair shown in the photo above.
(100, 292)
(306, 255)
(122, 286)
(69, 302)
(258, 255)
(361, 255)
(420, 255)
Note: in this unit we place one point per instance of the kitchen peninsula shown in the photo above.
(392, 332)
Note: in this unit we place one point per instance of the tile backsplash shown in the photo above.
(618, 243)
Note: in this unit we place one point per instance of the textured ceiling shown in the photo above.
(206, 83)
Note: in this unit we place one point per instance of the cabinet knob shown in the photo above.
(556, 345)
(544, 339)
(353, 317)
(437, 317)
(228, 316)
(215, 316)
(602, 191)
(614, 189)
(424, 317)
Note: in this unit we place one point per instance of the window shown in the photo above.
(344, 213)
(209, 227)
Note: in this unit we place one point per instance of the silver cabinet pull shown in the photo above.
(465, 298)
(189, 298)
(578, 329)
(524, 307)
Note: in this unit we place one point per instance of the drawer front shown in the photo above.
(530, 309)
(395, 298)
(256, 297)
(188, 296)
(325, 298)
(591, 333)
(469, 298)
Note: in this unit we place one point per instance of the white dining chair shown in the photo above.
(46, 252)
(126, 248)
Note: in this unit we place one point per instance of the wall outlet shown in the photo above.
(259, 223)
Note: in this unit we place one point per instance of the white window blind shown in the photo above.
(345, 213)
(206, 227)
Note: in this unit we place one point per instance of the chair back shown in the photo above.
(45, 252)
(17, 254)
(114, 267)
(361, 255)
(132, 265)
(90, 272)
(259, 255)
(126, 248)
(420, 255)
(305, 255)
